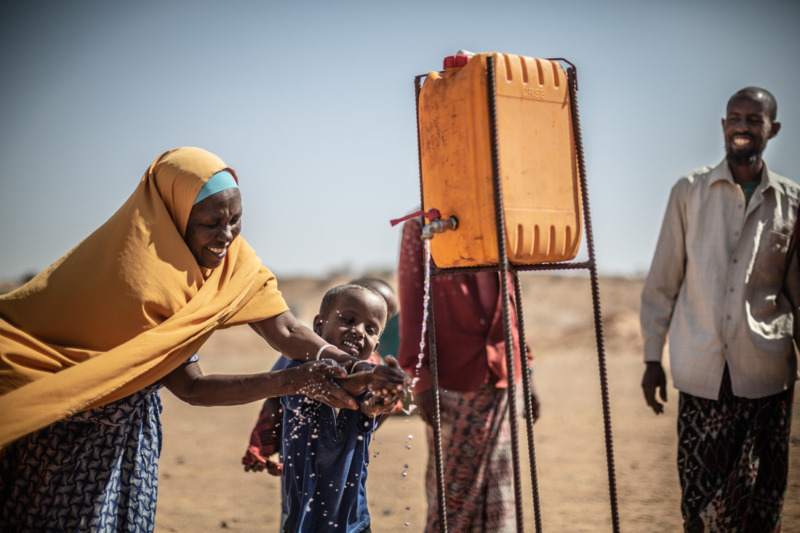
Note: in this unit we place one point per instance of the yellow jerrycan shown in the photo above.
(536, 152)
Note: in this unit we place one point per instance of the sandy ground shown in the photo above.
(203, 487)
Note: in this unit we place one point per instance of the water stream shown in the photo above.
(426, 296)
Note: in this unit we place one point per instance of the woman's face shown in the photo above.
(214, 223)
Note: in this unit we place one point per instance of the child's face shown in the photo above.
(354, 324)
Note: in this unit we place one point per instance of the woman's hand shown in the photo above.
(316, 380)
(356, 383)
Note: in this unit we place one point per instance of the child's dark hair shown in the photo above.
(329, 300)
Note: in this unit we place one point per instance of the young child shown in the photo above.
(325, 453)
(265, 438)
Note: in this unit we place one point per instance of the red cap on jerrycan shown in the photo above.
(460, 59)
(456, 61)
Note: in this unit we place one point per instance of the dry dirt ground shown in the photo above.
(203, 487)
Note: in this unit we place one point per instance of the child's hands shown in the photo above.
(318, 380)
(389, 381)
(255, 463)
(373, 406)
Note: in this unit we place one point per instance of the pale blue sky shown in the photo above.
(312, 103)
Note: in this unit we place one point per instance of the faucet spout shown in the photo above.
(439, 225)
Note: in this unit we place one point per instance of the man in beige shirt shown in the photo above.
(723, 288)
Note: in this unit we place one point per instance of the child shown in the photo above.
(326, 453)
(266, 434)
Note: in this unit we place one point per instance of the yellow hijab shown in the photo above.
(125, 306)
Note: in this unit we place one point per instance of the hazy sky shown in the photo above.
(312, 103)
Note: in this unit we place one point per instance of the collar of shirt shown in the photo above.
(722, 172)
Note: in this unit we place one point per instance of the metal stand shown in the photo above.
(505, 268)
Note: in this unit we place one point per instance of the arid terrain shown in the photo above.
(204, 488)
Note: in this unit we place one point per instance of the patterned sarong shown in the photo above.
(478, 470)
(95, 471)
(733, 461)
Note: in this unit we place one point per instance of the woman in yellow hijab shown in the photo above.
(86, 344)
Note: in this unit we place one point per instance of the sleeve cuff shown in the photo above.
(653, 351)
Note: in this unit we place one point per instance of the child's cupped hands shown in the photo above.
(387, 382)
(373, 405)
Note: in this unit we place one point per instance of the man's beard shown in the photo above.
(741, 159)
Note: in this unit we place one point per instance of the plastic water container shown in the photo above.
(538, 161)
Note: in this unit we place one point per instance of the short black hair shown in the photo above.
(330, 297)
(759, 94)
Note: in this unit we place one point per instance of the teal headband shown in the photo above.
(218, 182)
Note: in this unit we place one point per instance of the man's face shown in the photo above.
(747, 128)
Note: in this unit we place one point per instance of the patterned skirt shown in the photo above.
(478, 466)
(96, 471)
(733, 456)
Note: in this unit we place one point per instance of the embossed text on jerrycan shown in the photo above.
(537, 159)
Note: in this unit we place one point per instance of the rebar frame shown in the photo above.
(433, 362)
(505, 268)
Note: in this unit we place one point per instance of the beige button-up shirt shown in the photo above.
(724, 285)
